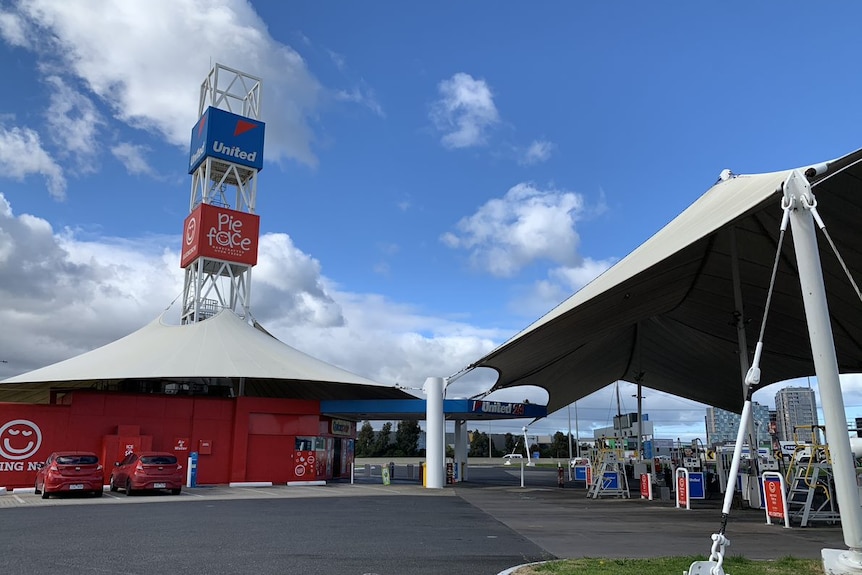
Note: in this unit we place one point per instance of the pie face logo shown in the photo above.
(19, 439)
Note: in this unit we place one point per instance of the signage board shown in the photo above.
(582, 473)
(681, 490)
(220, 233)
(648, 449)
(611, 480)
(228, 137)
(774, 495)
(696, 485)
(646, 486)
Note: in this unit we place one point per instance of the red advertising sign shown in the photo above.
(774, 497)
(220, 233)
(682, 489)
(645, 485)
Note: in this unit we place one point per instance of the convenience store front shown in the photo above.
(247, 404)
(238, 440)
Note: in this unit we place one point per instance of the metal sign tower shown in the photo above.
(220, 234)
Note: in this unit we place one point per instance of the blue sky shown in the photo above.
(437, 175)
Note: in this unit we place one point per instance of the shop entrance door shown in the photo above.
(336, 459)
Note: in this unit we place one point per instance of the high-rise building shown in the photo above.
(722, 425)
(796, 414)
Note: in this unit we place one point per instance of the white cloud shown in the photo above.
(133, 157)
(13, 29)
(537, 152)
(146, 85)
(562, 282)
(73, 124)
(464, 112)
(337, 59)
(525, 225)
(362, 95)
(22, 154)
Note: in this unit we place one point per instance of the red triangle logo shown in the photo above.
(242, 127)
(202, 123)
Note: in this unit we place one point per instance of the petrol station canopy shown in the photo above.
(666, 313)
(222, 348)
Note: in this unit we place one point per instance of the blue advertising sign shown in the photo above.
(193, 469)
(648, 451)
(229, 137)
(696, 485)
(580, 472)
(610, 480)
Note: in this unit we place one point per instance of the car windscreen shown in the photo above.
(77, 460)
(159, 460)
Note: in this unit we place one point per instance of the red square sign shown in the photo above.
(220, 233)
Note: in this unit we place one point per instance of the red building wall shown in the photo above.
(238, 439)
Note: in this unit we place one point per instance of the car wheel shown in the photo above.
(36, 488)
(44, 493)
(98, 492)
(113, 486)
(128, 486)
(176, 491)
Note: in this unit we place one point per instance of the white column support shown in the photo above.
(461, 449)
(435, 433)
(797, 193)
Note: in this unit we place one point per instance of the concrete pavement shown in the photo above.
(567, 524)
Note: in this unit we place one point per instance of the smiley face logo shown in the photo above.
(191, 228)
(19, 439)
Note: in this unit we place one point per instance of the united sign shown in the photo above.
(226, 136)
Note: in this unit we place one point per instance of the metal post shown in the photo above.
(577, 433)
(569, 409)
(797, 192)
(640, 420)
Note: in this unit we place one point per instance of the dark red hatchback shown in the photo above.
(148, 470)
(70, 472)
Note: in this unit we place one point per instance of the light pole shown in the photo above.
(757, 437)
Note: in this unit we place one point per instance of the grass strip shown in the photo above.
(672, 566)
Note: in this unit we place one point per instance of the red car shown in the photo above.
(70, 472)
(148, 470)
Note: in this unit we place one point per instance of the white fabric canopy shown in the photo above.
(223, 346)
(667, 310)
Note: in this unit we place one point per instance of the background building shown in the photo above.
(796, 413)
(722, 425)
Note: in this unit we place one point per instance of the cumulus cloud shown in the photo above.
(143, 82)
(537, 152)
(525, 225)
(59, 288)
(465, 111)
(22, 154)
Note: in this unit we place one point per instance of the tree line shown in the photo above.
(404, 442)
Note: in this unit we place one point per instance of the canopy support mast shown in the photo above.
(798, 195)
